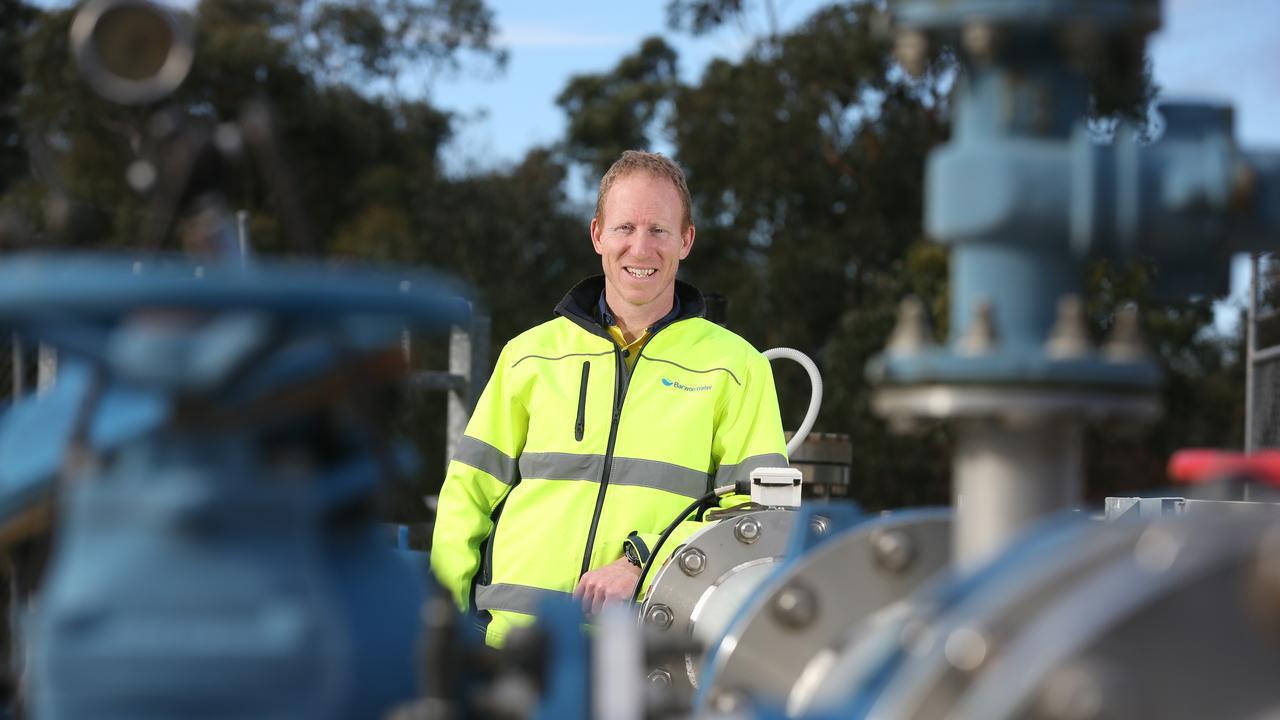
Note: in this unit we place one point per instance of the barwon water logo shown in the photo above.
(686, 388)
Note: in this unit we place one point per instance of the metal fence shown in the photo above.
(18, 368)
(1262, 368)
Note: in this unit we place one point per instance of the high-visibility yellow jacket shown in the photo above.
(568, 455)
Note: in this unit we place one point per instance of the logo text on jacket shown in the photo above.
(686, 388)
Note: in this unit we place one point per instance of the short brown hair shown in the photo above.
(655, 164)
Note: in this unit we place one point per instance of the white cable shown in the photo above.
(815, 399)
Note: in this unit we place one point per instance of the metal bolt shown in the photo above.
(660, 678)
(1156, 550)
(911, 48)
(795, 606)
(911, 333)
(660, 616)
(818, 525)
(1069, 336)
(727, 702)
(980, 337)
(1125, 343)
(747, 530)
(693, 561)
(965, 649)
(892, 550)
(141, 175)
(1073, 692)
(979, 39)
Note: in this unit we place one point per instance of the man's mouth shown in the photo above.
(636, 272)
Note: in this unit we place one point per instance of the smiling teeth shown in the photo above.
(635, 272)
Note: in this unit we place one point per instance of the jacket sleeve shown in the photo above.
(748, 435)
(483, 470)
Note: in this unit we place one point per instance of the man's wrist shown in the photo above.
(631, 554)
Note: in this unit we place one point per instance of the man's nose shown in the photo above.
(644, 245)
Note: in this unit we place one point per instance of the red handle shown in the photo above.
(1196, 466)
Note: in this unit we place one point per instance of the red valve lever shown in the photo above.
(1196, 466)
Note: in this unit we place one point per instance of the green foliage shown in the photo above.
(365, 165)
(376, 40)
(805, 159)
(617, 111)
(1203, 394)
(15, 24)
(699, 17)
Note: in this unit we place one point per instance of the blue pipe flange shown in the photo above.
(1170, 618)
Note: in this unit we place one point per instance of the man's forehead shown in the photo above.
(671, 192)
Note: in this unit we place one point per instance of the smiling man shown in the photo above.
(598, 427)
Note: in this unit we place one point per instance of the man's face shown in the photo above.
(640, 240)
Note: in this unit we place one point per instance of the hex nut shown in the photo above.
(795, 606)
(892, 550)
(660, 616)
(659, 678)
(693, 561)
(747, 530)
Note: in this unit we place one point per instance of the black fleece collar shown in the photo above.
(580, 305)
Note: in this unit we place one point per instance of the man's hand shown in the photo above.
(612, 583)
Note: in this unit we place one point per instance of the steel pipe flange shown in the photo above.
(819, 596)
(702, 584)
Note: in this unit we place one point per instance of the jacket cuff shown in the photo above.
(637, 545)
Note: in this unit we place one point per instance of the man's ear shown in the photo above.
(596, 231)
(686, 242)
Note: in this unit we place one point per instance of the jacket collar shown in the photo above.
(580, 305)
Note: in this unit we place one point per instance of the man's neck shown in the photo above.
(634, 321)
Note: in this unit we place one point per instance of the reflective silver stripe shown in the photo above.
(561, 466)
(660, 475)
(483, 456)
(636, 472)
(514, 598)
(742, 471)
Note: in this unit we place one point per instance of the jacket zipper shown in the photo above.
(621, 381)
(579, 428)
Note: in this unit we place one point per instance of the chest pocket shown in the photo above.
(671, 412)
(565, 397)
(580, 425)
